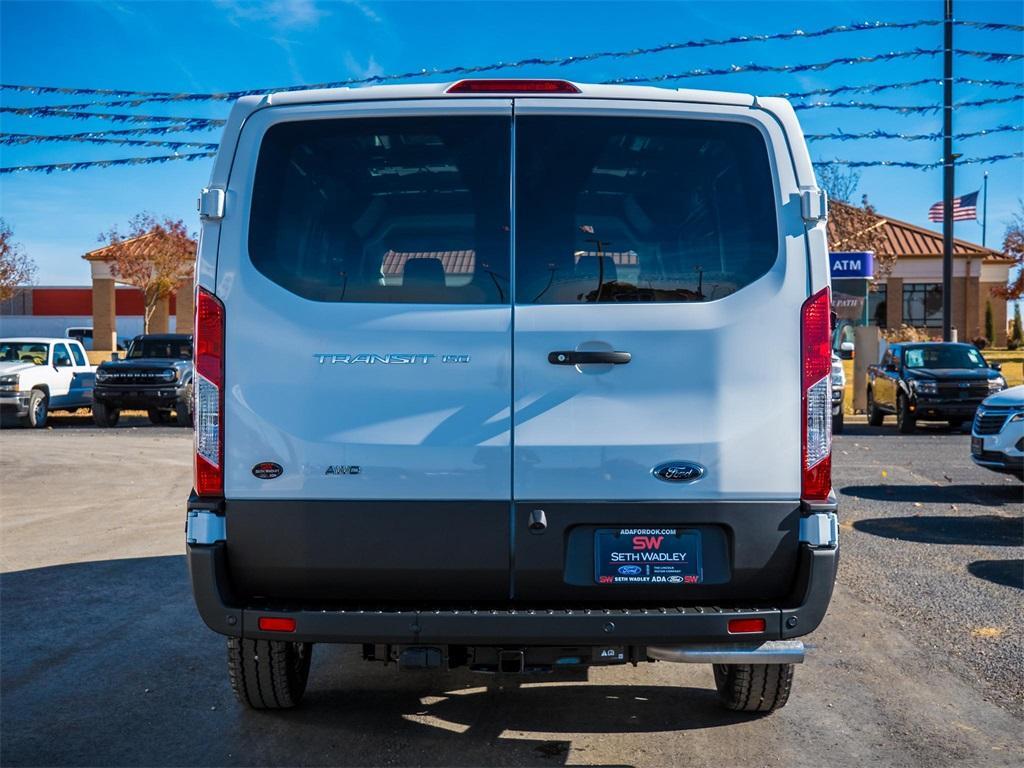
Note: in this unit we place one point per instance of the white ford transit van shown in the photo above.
(517, 375)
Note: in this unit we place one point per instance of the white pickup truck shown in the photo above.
(38, 375)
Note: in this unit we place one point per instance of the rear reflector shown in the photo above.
(274, 624)
(513, 86)
(816, 392)
(209, 394)
(742, 626)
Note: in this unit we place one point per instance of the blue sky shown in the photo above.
(229, 44)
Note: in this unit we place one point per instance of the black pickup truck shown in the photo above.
(155, 376)
(930, 381)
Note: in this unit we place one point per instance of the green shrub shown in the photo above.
(1017, 333)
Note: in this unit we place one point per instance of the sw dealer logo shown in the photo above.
(647, 542)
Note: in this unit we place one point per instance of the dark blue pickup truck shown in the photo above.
(930, 381)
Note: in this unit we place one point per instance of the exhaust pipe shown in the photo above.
(769, 652)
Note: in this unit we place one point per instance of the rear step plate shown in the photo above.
(647, 556)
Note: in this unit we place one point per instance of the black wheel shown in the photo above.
(268, 674)
(156, 416)
(906, 422)
(184, 410)
(38, 409)
(754, 687)
(837, 423)
(103, 415)
(875, 416)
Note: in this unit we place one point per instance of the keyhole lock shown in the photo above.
(538, 521)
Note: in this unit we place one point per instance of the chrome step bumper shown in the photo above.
(770, 652)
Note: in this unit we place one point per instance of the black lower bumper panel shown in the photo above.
(662, 625)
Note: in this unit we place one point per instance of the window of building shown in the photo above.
(877, 305)
(922, 305)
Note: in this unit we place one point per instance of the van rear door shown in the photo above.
(368, 337)
(660, 267)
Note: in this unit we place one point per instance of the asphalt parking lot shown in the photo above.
(104, 660)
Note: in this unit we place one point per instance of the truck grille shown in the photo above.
(989, 421)
(152, 377)
(954, 390)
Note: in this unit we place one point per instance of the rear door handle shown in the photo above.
(589, 358)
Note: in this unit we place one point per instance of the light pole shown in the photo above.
(948, 170)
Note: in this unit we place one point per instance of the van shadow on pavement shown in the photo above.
(1008, 495)
(108, 663)
(1007, 573)
(979, 530)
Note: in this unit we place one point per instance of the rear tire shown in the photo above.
(875, 416)
(837, 424)
(753, 687)
(38, 409)
(105, 416)
(906, 422)
(184, 409)
(268, 674)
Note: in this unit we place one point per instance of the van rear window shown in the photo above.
(640, 209)
(400, 209)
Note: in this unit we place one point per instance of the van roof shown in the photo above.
(434, 90)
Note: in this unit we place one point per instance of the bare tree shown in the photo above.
(1013, 246)
(153, 255)
(840, 183)
(16, 268)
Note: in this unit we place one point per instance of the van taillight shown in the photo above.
(816, 374)
(513, 86)
(209, 394)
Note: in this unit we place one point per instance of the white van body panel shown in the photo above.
(705, 384)
(708, 381)
(430, 430)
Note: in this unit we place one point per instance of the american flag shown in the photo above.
(965, 208)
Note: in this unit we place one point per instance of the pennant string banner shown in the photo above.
(144, 130)
(205, 123)
(117, 117)
(51, 167)
(990, 56)
(921, 166)
(898, 86)
(28, 138)
(161, 125)
(904, 109)
(806, 94)
(936, 136)
(138, 97)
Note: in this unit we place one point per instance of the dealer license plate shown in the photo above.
(977, 445)
(647, 556)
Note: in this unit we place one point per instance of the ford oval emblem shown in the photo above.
(678, 472)
(267, 470)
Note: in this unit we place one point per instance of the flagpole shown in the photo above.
(947, 174)
(984, 210)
